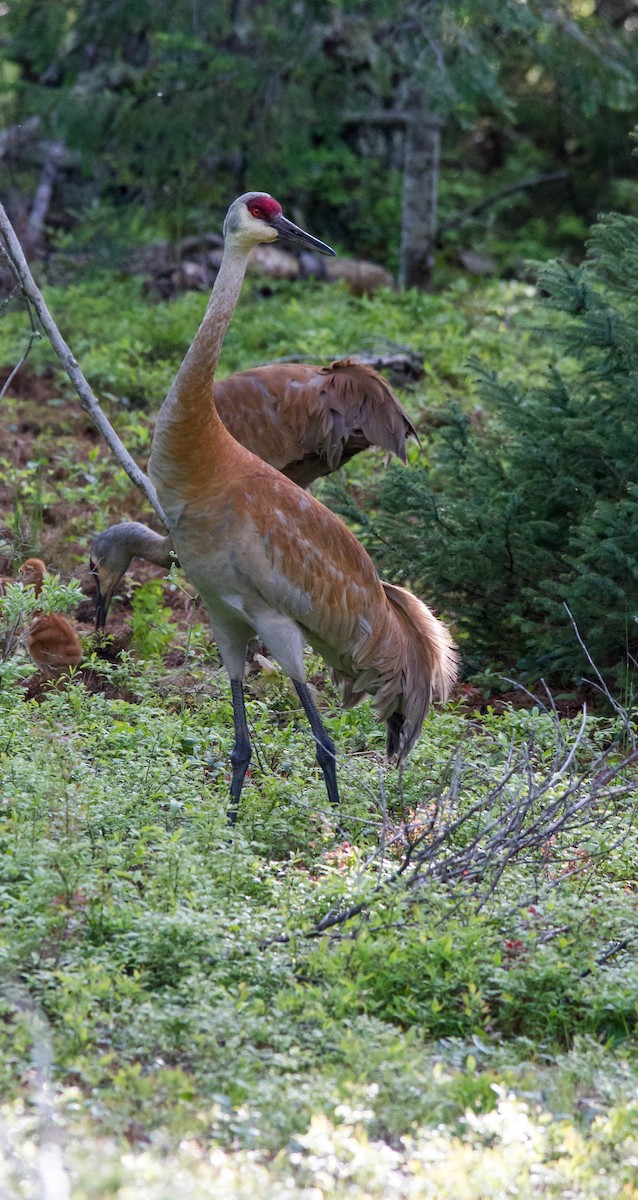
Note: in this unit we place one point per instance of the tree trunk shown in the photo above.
(420, 192)
(55, 153)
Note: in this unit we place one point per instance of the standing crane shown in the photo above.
(304, 420)
(269, 559)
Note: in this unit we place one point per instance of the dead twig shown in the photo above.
(35, 333)
(88, 401)
(465, 846)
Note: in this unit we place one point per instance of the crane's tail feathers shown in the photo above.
(403, 662)
(433, 634)
(429, 668)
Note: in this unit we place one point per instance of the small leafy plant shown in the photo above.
(153, 625)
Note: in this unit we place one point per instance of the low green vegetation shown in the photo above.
(295, 1001)
(129, 347)
(432, 994)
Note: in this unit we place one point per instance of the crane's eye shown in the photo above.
(256, 212)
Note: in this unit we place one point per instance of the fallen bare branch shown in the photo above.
(88, 401)
(527, 814)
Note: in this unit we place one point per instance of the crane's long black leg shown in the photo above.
(242, 750)
(325, 745)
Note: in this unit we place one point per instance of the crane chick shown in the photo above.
(49, 638)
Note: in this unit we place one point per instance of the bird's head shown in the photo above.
(110, 558)
(32, 571)
(257, 217)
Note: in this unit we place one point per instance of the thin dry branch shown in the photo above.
(20, 363)
(487, 201)
(601, 685)
(465, 849)
(88, 401)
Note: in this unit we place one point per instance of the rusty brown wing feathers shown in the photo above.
(380, 639)
(307, 421)
(367, 409)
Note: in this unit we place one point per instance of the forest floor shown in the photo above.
(432, 996)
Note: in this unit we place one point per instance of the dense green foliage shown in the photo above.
(170, 109)
(529, 504)
(169, 975)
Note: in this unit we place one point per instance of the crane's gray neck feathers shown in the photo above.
(152, 546)
(189, 432)
(194, 380)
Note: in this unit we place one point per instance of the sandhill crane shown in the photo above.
(308, 421)
(304, 420)
(269, 559)
(49, 638)
(111, 554)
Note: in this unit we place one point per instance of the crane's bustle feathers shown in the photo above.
(403, 665)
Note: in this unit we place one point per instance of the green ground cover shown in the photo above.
(191, 1007)
(435, 999)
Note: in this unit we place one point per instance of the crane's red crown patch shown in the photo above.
(264, 206)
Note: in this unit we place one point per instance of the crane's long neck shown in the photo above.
(189, 436)
(140, 541)
(157, 549)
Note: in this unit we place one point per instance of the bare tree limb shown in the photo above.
(88, 401)
(487, 201)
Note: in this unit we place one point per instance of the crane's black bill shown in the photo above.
(101, 601)
(292, 233)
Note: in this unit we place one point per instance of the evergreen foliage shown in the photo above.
(173, 108)
(534, 505)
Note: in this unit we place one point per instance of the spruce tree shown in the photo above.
(537, 510)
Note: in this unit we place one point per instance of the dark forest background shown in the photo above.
(481, 132)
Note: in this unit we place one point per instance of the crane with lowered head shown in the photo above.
(306, 421)
(269, 559)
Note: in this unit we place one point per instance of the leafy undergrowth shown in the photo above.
(129, 347)
(404, 1003)
(431, 995)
